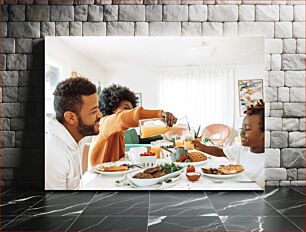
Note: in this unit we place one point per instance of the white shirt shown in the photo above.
(253, 163)
(62, 158)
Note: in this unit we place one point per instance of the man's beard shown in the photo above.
(86, 130)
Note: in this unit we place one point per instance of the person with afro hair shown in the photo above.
(118, 106)
(250, 153)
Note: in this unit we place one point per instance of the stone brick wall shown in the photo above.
(25, 23)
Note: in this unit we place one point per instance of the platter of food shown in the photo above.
(115, 168)
(195, 158)
(223, 171)
(155, 175)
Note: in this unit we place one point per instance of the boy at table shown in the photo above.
(250, 153)
(117, 104)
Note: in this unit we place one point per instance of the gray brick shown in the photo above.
(301, 174)
(35, 61)
(38, 13)
(292, 174)
(273, 123)
(8, 45)
(61, 2)
(296, 139)
(276, 62)
(47, 29)
(110, 13)
(80, 13)
(3, 27)
(95, 13)
(5, 124)
(299, 13)
(94, 28)
(4, 15)
(8, 138)
(212, 29)
(191, 29)
(283, 30)
(197, 13)
(293, 61)
(273, 46)
(294, 110)
(75, 28)
(275, 174)
(62, 28)
(154, 13)
(267, 62)
(18, 123)
(272, 158)
(284, 183)
(148, 2)
(9, 94)
(246, 13)
(286, 13)
(230, 29)
(276, 78)
(16, 62)
(11, 109)
(141, 29)
(165, 28)
(17, 13)
(256, 28)
(175, 13)
(300, 46)
(279, 139)
(272, 183)
(24, 45)
(131, 13)
(271, 94)
(80, 2)
(298, 183)
(194, 2)
(24, 94)
(12, 157)
(8, 78)
(290, 124)
(289, 46)
(297, 94)
(302, 124)
(293, 157)
(103, 2)
(41, 2)
(276, 106)
(276, 113)
(267, 13)
(62, 13)
(283, 94)
(267, 139)
(222, 13)
(2, 62)
(1, 94)
(129, 2)
(120, 28)
(169, 2)
(294, 78)
(24, 29)
(298, 30)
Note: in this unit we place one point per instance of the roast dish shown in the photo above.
(224, 169)
(157, 171)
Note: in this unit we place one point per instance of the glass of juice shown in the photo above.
(178, 140)
(188, 139)
(155, 148)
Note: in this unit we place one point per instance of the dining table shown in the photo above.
(92, 180)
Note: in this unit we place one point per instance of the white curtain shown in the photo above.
(205, 96)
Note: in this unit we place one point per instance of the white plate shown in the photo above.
(221, 176)
(115, 173)
(185, 164)
(152, 181)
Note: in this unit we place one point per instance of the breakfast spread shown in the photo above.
(224, 169)
(194, 156)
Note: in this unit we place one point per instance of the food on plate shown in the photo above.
(224, 169)
(150, 153)
(190, 168)
(157, 171)
(193, 176)
(114, 168)
(196, 156)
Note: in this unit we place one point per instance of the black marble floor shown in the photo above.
(275, 210)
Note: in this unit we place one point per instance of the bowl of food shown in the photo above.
(193, 176)
(135, 152)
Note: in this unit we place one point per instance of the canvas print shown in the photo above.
(154, 113)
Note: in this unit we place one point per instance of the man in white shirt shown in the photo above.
(77, 115)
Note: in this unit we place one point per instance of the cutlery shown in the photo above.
(134, 165)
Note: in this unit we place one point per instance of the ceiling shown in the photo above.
(154, 52)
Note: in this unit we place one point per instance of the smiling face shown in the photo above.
(251, 134)
(89, 116)
(124, 105)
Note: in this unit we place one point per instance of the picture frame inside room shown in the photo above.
(153, 113)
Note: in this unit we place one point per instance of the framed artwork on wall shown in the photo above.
(249, 92)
